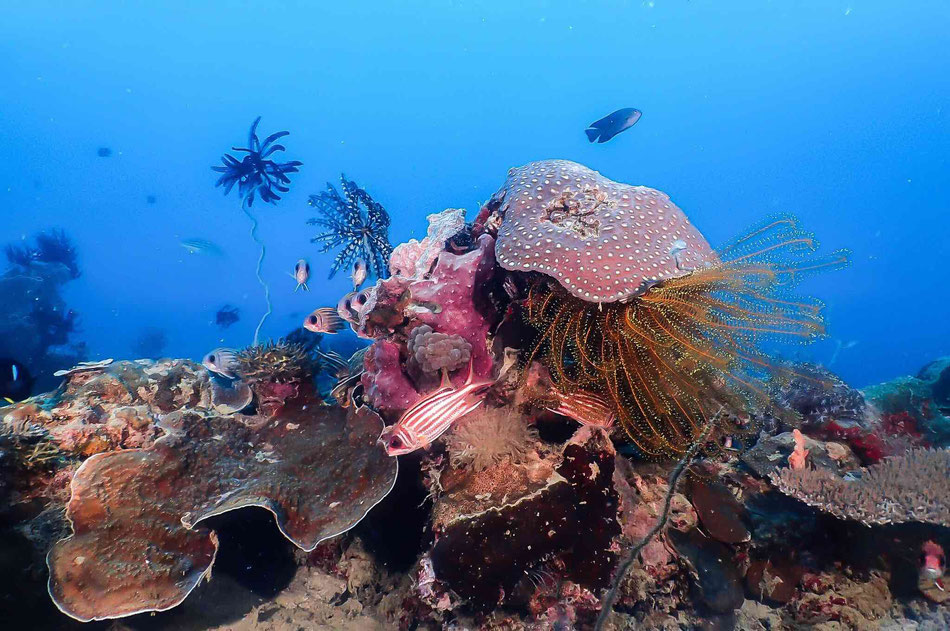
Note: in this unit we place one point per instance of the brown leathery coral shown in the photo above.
(137, 541)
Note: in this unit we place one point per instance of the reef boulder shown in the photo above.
(558, 510)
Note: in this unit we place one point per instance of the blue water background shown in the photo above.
(835, 111)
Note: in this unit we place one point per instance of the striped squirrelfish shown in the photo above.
(585, 407)
(301, 274)
(358, 275)
(222, 361)
(324, 320)
(428, 419)
(335, 362)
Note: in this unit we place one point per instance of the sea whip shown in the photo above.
(260, 278)
(608, 603)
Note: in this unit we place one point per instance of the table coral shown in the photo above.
(908, 488)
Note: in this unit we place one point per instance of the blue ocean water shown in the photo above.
(833, 111)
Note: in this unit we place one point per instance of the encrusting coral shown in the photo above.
(908, 488)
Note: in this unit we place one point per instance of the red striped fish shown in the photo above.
(585, 407)
(324, 320)
(432, 415)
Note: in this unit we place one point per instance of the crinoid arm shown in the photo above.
(255, 175)
(671, 357)
(355, 221)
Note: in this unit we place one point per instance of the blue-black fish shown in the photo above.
(226, 316)
(611, 125)
(150, 199)
(15, 381)
(104, 152)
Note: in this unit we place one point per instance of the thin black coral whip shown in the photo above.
(607, 604)
(260, 277)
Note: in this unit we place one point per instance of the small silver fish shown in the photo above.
(222, 361)
(201, 246)
(359, 273)
(324, 320)
(301, 274)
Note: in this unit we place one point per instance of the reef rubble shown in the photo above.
(809, 505)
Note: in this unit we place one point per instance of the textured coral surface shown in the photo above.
(134, 547)
(602, 240)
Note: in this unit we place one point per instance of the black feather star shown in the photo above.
(358, 223)
(255, 174)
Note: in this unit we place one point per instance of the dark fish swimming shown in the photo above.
(150, 199)
(226, 316)
(611, 125)
(104, 152)
(15, 381)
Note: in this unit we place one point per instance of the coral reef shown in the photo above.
(363, 234)
(919, 404)
(275, 362)
(37, 327)
(144, 457)
(123, 518)
(448, 300)
(555, 508)
(488, 437)
(603, 241)
(752, 494)
(908, 488)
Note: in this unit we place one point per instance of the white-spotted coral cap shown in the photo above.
(602, 240)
